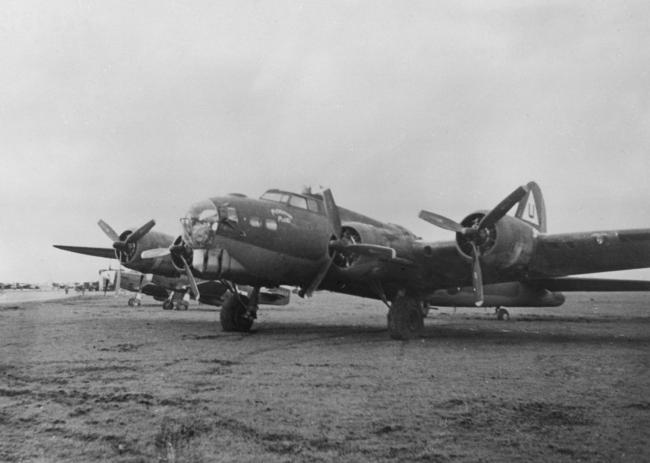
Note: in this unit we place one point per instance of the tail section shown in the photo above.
(531, 208)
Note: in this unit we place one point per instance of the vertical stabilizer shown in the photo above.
(531, 208)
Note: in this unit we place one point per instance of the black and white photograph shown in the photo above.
(324, 231)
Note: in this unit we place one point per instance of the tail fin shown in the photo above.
(531, 208)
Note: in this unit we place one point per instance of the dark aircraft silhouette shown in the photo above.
(307, 241)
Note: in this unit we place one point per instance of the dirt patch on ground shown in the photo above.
(90, 379)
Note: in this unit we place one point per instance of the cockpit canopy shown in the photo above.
(295, 200)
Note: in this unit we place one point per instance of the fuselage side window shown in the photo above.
(271, 224)
(255, 222)
(232, 214)
(272, 196)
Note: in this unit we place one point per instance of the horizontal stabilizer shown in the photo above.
(591, 284)
(108, 253)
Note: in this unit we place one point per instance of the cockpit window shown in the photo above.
(272, 196)
(294, 200)
(298, 201)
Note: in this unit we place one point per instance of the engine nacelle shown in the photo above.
(389, 235)
(152, 240)
(508, 244)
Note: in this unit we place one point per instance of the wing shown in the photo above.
(590, 252)
(590, 284)
(108, 253)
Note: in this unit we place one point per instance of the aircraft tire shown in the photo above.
(131, 302)
(405, 318)
(503, 314)
(167, 305)
(232, 315)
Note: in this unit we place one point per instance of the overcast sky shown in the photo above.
(129, 111)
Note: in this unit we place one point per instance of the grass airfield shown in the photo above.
(88, 379)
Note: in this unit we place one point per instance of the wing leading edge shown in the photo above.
(108, 253)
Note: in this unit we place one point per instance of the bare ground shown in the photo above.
(89, 379)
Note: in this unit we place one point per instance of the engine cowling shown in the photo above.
(507, 244)
(152, 240)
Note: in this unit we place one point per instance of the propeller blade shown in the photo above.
(332, 211)
(503, 207)
(140, 232)
(477, 276)
(318, 279)
(190, 276)
(441, 221)
(154, 253)
(108, 230)
(118, 277)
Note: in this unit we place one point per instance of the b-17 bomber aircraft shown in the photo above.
(307, 241)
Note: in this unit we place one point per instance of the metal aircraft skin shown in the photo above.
(307, 241)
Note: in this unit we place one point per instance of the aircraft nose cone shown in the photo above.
(200, 223)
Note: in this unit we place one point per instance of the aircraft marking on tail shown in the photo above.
(531, 208)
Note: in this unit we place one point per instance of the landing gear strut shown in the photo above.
(405, 317)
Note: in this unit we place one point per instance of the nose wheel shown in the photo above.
(502, 314)
(177, 301)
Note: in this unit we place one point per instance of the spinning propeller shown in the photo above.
(125, 247)
(479, 233)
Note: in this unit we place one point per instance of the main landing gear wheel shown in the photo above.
(167, 305)
(405, 318)
(502, 314)
(233, 315)
(134, 302)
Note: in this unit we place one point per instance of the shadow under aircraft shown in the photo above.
(307, 241)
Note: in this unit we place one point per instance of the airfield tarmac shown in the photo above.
(90, 379)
